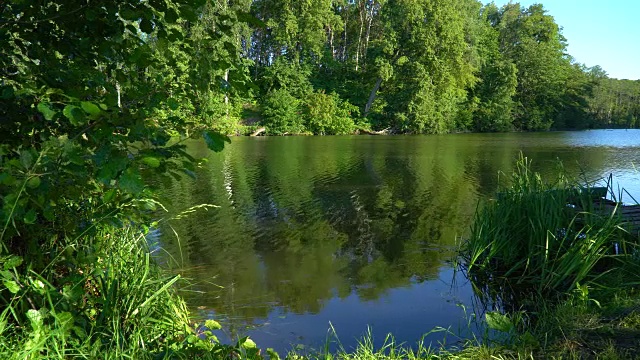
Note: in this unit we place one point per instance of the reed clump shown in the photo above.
(544, 238)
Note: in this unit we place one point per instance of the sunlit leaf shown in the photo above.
(498, 321)
(273, 355)
(212, 325)
(11, 262)
(151, 161)
(11, 285)
(90, 108)
(248, 343)
(46, 111)
(36, 319)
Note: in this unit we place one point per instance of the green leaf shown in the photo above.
(74, 114)
(26, 159)
(212, 325)
(151, 161)
(30, 217)
(173, 104)
(12, 262)
(171, 16)
(159, 5)
(36, 319)
(131, 181)
(215, 141)
(90, 108)
(498, 321)
(34, 182)
(273, 355)
(146, 26)
(65, 320)
(108, 195)
(188, 13)
(248, 343)
(46, 111)
(12, 286)
(7, 179)
(48, 213)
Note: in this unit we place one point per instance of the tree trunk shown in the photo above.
(333, 50)
(372, 97)
(362, 12)
(226, 94)
(343, 54)
(368, 33)
(118, 90)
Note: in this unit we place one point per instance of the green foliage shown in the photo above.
(287, 75)
(421, 63)
(281, 113)
(614, 103)
(84, 129)
(540, 237)
(91, 96)
(328, 114)
(113, 303)
(432, 67)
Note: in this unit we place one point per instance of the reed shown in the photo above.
(543, 237)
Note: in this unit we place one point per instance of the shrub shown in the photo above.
(281, 113)
(328, 114)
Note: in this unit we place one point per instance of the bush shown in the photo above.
(328, 114)
(281, 113)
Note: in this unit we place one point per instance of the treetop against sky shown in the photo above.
(604, 33)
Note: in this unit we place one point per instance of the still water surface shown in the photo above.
(353, 232)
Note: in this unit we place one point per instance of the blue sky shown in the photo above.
(603, 32)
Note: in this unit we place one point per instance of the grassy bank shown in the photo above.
(102, 298)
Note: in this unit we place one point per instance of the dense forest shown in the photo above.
(410, 66)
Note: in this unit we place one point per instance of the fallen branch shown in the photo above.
(258, 132)
(371, 132)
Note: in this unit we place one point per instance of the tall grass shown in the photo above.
(117, 304)
(543, 237)
(105, 298)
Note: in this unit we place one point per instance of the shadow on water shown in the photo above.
(352, 231)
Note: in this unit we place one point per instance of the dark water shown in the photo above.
(353, 232)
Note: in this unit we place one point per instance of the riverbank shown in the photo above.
(600, 324)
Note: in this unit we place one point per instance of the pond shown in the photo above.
(353, 233)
